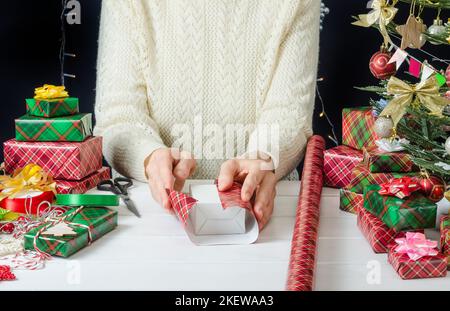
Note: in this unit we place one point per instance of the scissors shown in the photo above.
(119, 186)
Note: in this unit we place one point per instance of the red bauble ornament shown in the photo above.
(7, 228)
(379, 66)
(447, 75)
(433, 187)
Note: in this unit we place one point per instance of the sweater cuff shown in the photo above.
(143, 151)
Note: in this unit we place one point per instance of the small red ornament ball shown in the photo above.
(7, 228)
(379, 66)
(447, 75)
(433, 188)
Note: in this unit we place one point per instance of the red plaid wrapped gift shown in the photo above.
(62, 160)
(379, 161)
(350, 201)
(338, 165)
(445, 236)
(414, 257)
(362, 177)
(379, 236)
(82, 186)
(358, 127)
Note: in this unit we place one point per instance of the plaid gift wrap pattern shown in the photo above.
(425, 267)
(183, 204)
(362, 177)
(358, 127)
(378, 161)
(379, 236)
(69, 161)
(350, 201)
(82, 186)
(52, 108)
(445, 236)
(95, 222)
(338, 165)
(415, 212)
(74, 128)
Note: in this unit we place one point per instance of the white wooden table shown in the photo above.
(154, 253)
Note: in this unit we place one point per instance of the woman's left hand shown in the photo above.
(255, 179)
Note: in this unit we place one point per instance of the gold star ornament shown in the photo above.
(411, 33)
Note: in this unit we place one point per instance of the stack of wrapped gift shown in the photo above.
(393, 222)
(55, 136)
(359, 162)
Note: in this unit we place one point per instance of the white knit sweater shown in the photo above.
(167, 64)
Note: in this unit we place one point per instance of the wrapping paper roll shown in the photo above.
(304, 241)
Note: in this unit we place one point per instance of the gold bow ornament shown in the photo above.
(425, 93)
(30, 178)
(49, 91)
(382, 13)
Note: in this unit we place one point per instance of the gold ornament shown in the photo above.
(411, 32)
(426, 93)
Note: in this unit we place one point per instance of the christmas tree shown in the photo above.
(412, 98)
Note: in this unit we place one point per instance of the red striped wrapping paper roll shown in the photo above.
(304, 241)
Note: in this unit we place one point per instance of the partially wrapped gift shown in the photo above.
(52, 108)
(26, 190)
(414, 212)
(415, 257)
(358, 127)
(379, 236)
(83, 185)
(212, 217)
(69, 161)
(362, 177)
(75, 230)
(338, 165)
(350, 201)
(379, 161)
(445, 236)
(51, 101)
(75, 128)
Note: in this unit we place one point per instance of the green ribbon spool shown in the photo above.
(87, 200)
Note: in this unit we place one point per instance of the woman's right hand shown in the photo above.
(168, 169)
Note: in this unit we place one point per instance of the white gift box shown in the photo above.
(210, 224)
(208, 217)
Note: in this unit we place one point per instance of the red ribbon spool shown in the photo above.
(19, 205)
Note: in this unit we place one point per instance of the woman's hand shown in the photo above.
(168, 169)
(256, 179)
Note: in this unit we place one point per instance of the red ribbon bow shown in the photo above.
(400, 187)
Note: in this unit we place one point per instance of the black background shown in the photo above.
(30, 40)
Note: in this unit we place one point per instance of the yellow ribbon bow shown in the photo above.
(426, 92)
(31, 178)
(382, 13)
(49, 91)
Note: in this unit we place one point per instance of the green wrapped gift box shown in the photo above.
(74, 128)
(415, 212)
(97, 220)
(52, 108)
(388, 162)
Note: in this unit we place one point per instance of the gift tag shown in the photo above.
(60, 229)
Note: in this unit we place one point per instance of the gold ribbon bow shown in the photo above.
(426, 92)
(382, 13)
(49, 91)
(31, 178)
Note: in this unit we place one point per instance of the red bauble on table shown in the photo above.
(433, 187)
(380, 67)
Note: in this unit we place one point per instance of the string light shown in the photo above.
(324, 11)
(62, 51)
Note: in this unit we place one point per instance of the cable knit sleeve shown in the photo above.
(122, 111)
(287, 101)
